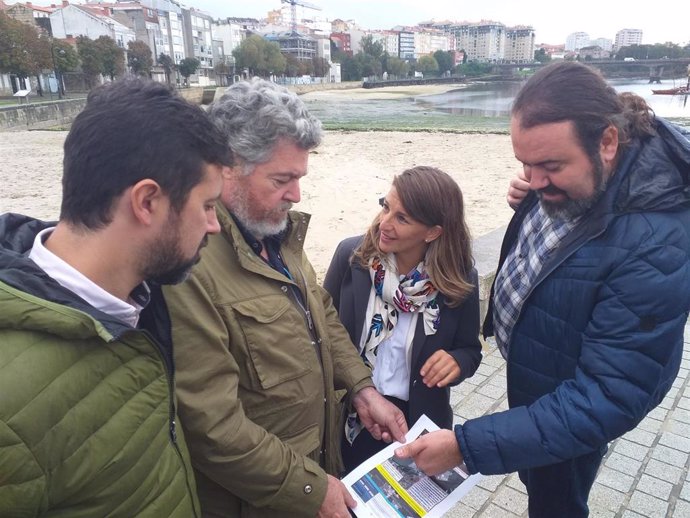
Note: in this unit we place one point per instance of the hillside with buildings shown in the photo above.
(182, 38)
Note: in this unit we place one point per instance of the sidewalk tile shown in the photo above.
(647, 505)
(669, 456)
(492, 391)
(623, 463)
(510, 499)
(493, 511)
(460, 511)
(491, 482)
(477, 497)
(675, 441)
(654, 486)
(630, 449)
(615, 479)
(474, 405)
(663, 471)
(650, 425)
(641, 437)
(682, 509)
(680, 414)
(515, 482)
(685, 492)
(605, 498)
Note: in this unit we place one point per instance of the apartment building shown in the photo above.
(198, 41)
(342, 42)
(388, 39)
(482, 41)
(30, 14)
(169, 38)
(604, 44)
(576, 40)
(91, 21)
(143, 21)
(406, 44)
(627, 37)
(229, 32)
(428, 41)
(519, 45)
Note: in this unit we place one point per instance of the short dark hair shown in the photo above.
(571, 91)
(131, 130)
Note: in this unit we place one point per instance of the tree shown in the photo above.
(90, 57)
(187, 67)
(445, 61)
(350, 68)
(65, 58)
(259, 56)
(168, 66)
(292, 69)
(541, 56)
(474, 69)
(22, 52)
(369, 65)
(427, 65)
(397, 67)
(139, 58)
(112, 57)
(371, 47)
(321, 66)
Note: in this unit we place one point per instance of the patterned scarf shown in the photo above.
(414, 294)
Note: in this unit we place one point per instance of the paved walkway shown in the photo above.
(644, 474)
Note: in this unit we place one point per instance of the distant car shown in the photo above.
(628, 59)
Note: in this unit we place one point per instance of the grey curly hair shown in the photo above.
(253, 115)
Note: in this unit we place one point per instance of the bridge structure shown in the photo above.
(654, 67)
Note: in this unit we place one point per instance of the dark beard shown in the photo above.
(571, 209)
(168, 265)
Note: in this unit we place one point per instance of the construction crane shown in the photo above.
(293, 10)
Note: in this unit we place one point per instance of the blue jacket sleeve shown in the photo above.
(630, 354)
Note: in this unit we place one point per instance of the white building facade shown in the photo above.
(627, 37)
(576, 40)
(519, 46)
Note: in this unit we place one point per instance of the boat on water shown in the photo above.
(678, 90)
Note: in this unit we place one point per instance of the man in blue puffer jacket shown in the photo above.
(592, 291)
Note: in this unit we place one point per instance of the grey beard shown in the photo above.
(261, 229)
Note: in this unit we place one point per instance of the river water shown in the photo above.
(475, 107)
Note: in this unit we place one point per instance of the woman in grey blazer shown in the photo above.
(406, 292)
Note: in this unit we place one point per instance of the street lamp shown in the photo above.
(58, 76)
(133, 65)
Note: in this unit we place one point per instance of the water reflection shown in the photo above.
(484, 107)
(480, 100)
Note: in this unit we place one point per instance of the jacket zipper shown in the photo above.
(172, 429)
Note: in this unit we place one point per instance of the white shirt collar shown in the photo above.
(76, 282)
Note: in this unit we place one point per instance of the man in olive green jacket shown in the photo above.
(263, 361)
(87, 408)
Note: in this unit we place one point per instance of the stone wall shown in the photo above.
(486, 250)
(345, 85)
(37, 116)
(193, 95)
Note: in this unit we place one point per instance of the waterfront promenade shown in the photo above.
(645, 472)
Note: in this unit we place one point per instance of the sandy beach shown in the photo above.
(348, 173)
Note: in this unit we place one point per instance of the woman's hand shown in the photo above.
(440, 370)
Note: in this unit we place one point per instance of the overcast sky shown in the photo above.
(552, 21)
